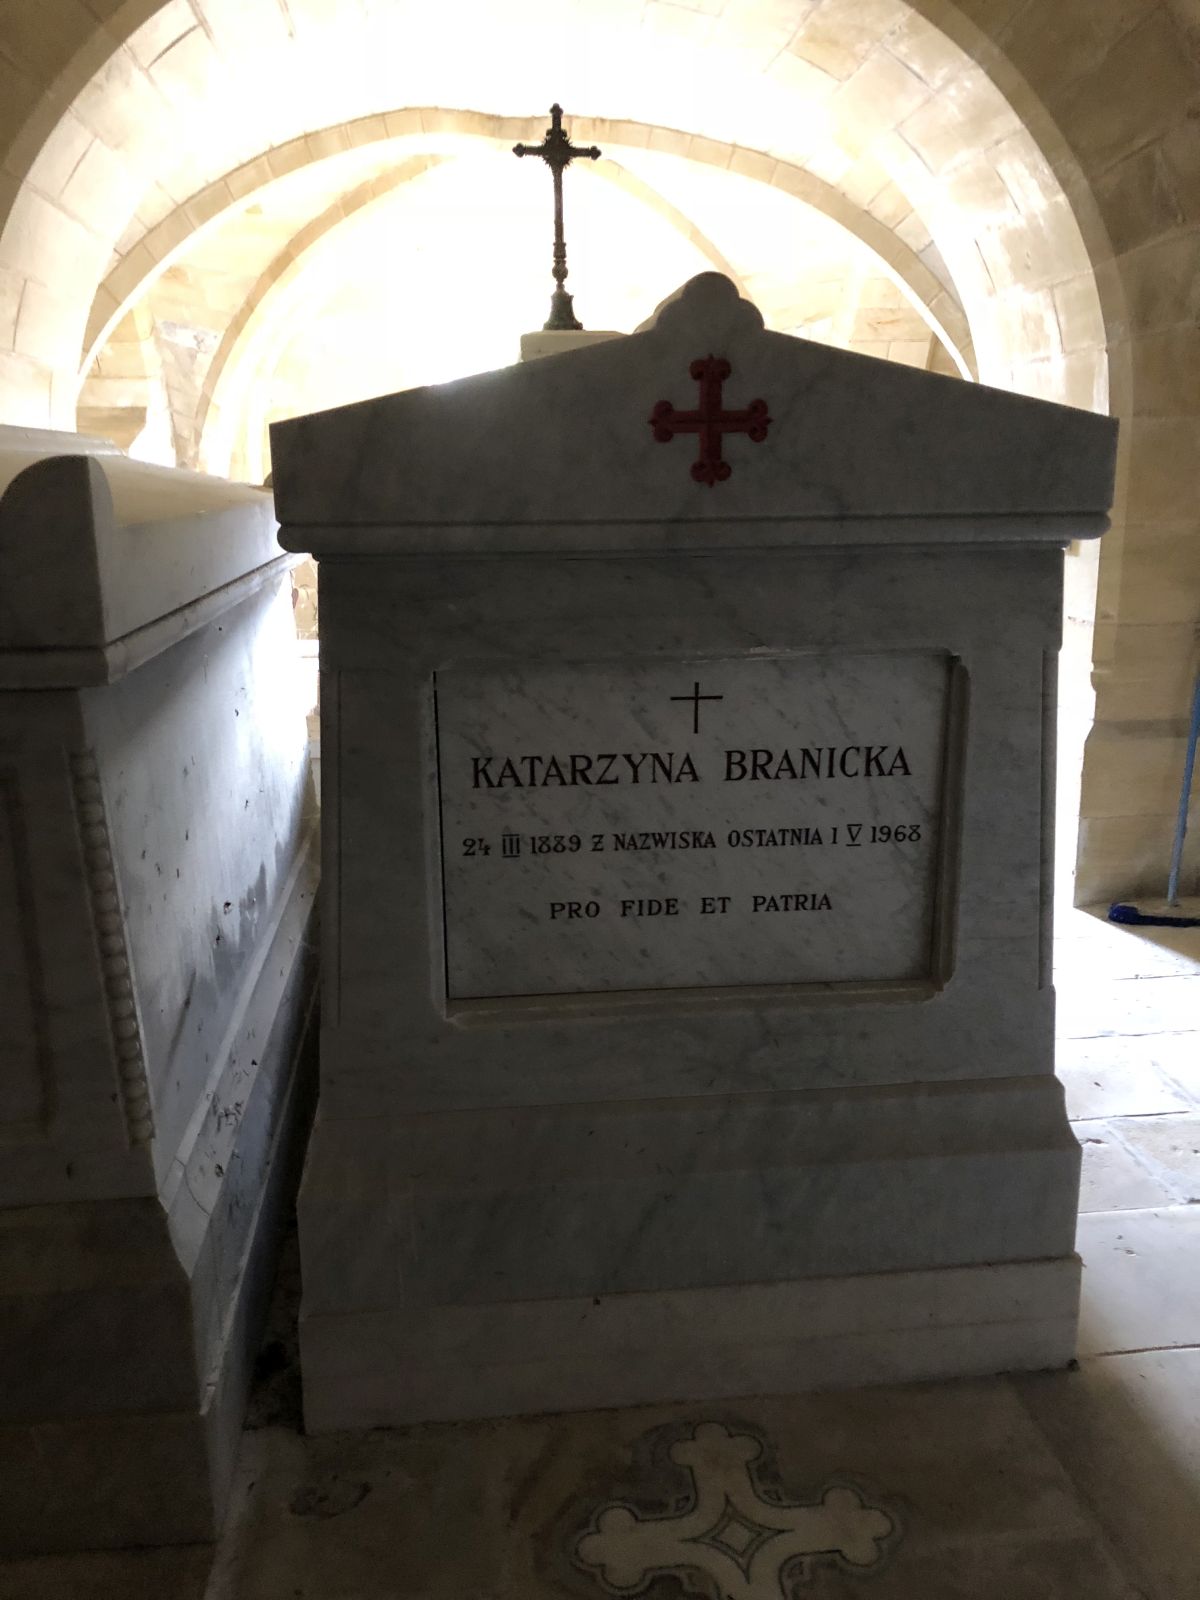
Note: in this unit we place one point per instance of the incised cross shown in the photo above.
(694, 700)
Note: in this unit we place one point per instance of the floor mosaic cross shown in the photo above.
(730, 1537)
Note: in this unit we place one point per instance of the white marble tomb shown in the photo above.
(157, 891)
(687, 1019)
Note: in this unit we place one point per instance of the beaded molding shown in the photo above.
(114, 954)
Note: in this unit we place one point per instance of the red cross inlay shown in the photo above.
(709, 421)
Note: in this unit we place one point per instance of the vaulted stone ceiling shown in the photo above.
(1027, 169)
(257, 121)
(434, 264)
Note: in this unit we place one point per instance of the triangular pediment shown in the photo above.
(569, 439)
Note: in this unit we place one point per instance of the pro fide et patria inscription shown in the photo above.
(659, 825)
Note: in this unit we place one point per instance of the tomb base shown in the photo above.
(386, 1369)
(137, 1353)
(536, 1260)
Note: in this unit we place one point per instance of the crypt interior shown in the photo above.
(219, 214)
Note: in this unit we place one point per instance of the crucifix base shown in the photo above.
(562, 318)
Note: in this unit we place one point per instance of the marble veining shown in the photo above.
(655, 825)
(850, 436)
(606, 1116)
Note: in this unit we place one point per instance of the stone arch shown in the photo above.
(121, 395)
(281, 266)
(290, 257)
(875, 79)
(399, 131)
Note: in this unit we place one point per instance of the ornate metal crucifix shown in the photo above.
(557, 151)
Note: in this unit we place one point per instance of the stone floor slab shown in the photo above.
(1169, 1147)
(1128, 1006)
(1116, 1083)
(1127, 1430)
(164, 1574)
(953, 1483)
(1112, 1179)
(1166, 1054)
(1141, 1289)
(1086, 949)
(1178, 1058)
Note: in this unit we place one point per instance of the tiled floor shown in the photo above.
(1067, 1486)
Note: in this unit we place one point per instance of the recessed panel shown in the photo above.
(649, 825)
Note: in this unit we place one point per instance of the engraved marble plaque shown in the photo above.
(691, 824)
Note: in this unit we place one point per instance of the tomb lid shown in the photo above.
(567, 443)
(104, 560)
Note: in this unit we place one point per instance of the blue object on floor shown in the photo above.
(1132, 917)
